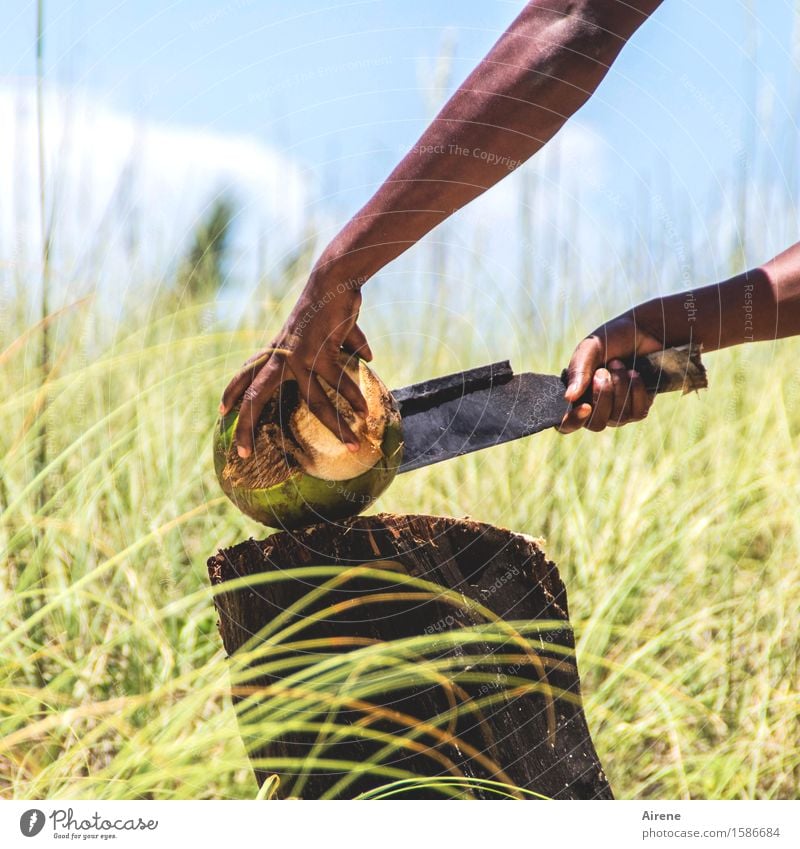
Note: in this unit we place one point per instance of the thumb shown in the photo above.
(586, 359)
(356, 343)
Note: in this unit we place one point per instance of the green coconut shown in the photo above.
(299, 472)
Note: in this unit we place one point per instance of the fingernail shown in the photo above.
(352, 446)
(572, 388)
(584, 412)
(221, 409)
(243, 452)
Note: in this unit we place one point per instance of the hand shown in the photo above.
(322, 323)
(618, 394)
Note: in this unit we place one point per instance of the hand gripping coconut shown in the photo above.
(299, 472)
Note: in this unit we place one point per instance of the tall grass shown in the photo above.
(677, 540)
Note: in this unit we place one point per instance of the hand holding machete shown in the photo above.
(762, 304)
(619, 394)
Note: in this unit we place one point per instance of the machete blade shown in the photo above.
(496, 408)
(460, 413)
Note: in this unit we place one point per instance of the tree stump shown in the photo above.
(392, 646)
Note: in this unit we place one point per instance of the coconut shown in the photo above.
(299, 472)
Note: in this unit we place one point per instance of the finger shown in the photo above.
(241, 380)
(587, 357)
(620, 409)
(641, 399)
(356, 343)
(337, 378)
(575, 418)
(322, 407)
(255, 397)
(602, 400)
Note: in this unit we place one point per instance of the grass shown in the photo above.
(677, 540)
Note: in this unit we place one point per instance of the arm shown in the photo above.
(542, 70)
(759, 305)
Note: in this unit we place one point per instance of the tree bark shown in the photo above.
(506, 709)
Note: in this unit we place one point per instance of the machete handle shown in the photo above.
(670, 370)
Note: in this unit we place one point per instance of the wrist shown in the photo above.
(339, 274)
(332, 288)
(363, 247)
(670, 320)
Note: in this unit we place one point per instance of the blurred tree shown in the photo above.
(202, 273)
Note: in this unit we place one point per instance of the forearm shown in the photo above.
(758, 305)
(541, 71)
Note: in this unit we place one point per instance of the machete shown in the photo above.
(460, 413)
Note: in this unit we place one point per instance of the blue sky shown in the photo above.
(341, 89)
(344, 80)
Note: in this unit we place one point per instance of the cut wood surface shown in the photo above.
(494, 694)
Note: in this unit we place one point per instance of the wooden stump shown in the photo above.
(492, 694)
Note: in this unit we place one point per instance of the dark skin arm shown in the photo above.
(759, 305)
(541, 71)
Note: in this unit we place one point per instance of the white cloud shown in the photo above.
(127, 193)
